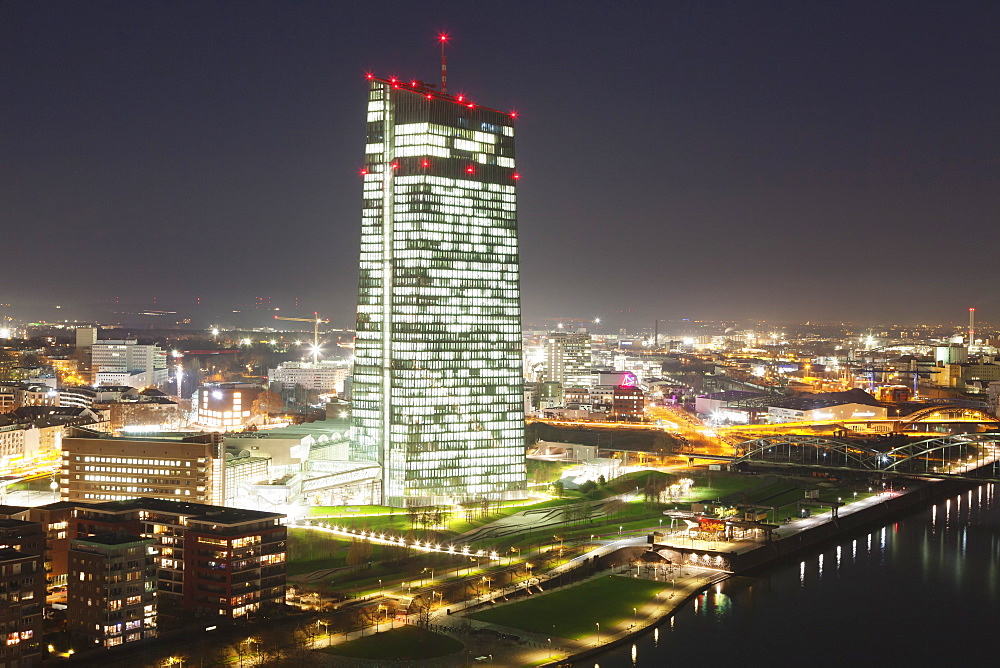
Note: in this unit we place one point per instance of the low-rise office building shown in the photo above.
(98, 467)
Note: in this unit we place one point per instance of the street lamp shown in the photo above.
(326, 627)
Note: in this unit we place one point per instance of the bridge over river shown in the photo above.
(973, 456)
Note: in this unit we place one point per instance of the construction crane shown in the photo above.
(315, 321)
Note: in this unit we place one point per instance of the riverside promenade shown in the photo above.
(493, 644)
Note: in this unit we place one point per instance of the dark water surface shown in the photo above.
(922, 591)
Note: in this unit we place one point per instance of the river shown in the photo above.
(922, 591)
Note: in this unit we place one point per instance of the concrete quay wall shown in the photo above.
(835, 528)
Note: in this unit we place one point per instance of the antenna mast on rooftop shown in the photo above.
(972, 326)
(443, 39)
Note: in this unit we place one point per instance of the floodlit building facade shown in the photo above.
(438, 385)
(225, 407)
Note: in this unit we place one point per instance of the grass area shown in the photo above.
(461, 526)
(310, 551)
(574, 612)
(397, 521)
(405, 643)
(712, 486)
(636, 515)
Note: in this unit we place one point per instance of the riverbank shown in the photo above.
(793, 537)
(681, 582)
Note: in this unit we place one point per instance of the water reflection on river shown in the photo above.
(922, 590)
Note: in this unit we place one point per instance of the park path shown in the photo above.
(534, 519)
(508, 646)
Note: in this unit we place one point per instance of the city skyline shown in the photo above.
(684, 161)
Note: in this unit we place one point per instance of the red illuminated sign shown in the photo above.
(711, 524)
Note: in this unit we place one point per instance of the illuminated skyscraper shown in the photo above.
(438, 386)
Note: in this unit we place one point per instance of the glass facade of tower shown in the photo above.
(438, 386)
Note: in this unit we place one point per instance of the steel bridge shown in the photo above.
(966, 456)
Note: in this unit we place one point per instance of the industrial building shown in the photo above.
(851, 405)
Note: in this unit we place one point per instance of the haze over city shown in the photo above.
(301, 360)
(679, 160)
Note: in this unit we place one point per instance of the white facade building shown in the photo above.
(127, 362)
(568, 359)
(325, 376)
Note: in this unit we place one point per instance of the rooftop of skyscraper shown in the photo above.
(430, 91)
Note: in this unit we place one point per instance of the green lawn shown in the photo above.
(712, 486)
(574, 612)
(310, 551)
(404, 643)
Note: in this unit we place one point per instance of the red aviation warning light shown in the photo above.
(395, 165)
(471, 169)
(369, 75)
(513, 114)
(443, 39)
(516, 176)
(425, 163)
(363, 171)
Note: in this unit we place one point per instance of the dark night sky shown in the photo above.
(680, 159)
